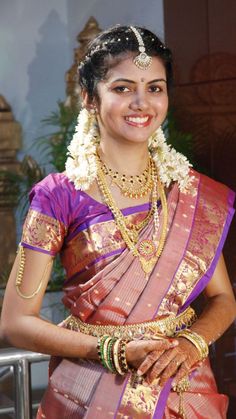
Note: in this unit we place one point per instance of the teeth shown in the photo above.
(137, 120)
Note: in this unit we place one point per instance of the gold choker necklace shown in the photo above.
(147, 250)
(134, 187)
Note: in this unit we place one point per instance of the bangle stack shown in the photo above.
(112, 354)
(197, 340)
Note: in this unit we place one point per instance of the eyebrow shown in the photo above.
(131, 81)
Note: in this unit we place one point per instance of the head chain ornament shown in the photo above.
(142, 61)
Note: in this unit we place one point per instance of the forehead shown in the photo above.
(127, 69)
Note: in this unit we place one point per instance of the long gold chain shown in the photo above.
(147, 250)
(134, 187)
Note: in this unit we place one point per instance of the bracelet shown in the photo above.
(112, 354)
(116, 357)
(122, 357)
(100, 350)
(197, 340)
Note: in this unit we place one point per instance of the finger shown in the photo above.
(161, 344)
(170, 370)
(161, 363)
(182, 372)
(150, 359)
(137, 351)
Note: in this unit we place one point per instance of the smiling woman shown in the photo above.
(131, 107)
(140, 235)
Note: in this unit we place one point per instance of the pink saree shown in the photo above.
(106, 285)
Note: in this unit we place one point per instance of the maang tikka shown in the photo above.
(142, 61)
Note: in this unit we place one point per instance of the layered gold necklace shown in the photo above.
(148, 251)
(134, 187)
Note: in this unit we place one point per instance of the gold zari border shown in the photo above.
(163, 327)
(43, 232)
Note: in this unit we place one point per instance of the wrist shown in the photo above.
(197, 340)
(93, 352)
(112, 354)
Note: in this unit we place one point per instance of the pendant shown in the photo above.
(143, 61)
(147, 250)
(147, 265)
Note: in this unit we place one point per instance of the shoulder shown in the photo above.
(55, 186)
(57, 194)
(54, 182)
(54, 196)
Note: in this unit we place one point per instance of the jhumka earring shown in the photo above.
(142, 61)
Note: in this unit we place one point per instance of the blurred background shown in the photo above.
(41, 44)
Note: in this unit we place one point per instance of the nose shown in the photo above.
(139, 101)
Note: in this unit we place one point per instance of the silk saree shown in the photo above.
(105, 285)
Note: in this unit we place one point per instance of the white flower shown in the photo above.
(171, 165)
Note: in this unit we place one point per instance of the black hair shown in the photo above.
(107, 48)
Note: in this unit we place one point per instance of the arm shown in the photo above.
(22, 326)
(219, 295)
(21, 323)
(212, 323)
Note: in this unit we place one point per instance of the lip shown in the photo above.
(139, 124)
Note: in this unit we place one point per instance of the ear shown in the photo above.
(85, 99)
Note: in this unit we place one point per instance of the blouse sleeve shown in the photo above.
(44, 228)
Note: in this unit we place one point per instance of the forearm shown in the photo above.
(215, 319)
(35, 334)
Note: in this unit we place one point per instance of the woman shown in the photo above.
(140, 235)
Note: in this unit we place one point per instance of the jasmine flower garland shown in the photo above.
(81, 166)
(172, 166)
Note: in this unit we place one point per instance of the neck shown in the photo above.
(126, 159)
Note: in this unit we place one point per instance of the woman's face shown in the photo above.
(132, 103)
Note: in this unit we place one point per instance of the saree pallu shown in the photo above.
(106, 285)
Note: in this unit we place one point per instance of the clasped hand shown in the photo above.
(163, 359)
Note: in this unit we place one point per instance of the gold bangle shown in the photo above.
(197, 340)
(115, 357)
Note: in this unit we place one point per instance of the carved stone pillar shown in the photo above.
(89, 32)
(10, 143)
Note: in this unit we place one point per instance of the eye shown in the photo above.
(154, 89)
(121, 89)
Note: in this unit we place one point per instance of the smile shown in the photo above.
(138, 120)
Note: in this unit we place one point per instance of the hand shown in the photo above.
(138, 350)
(175, 362)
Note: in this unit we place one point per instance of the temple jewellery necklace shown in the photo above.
(134, 187)
(148, 251)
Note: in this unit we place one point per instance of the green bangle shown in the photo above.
(109, 355)
(100, 349)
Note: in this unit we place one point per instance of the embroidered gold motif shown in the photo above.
(141, 399)
(43, 232)
(95, 241)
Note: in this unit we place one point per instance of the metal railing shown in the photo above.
(21, 361)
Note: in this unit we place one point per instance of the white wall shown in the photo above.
(36, 48)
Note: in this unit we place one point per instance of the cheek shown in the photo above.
(113, 108)
(162, 104)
